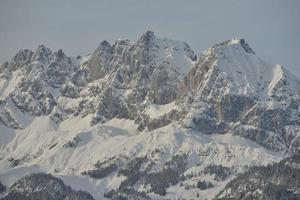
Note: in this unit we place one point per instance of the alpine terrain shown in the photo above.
(148, 119)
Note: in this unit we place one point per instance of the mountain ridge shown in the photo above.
(132, 112)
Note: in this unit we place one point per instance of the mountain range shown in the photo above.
(148, 119)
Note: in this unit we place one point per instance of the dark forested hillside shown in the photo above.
(278, 181)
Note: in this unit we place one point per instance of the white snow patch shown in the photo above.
(155, 111)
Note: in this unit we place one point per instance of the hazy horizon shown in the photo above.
(271, 27)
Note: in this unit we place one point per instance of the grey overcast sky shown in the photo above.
(271, 27)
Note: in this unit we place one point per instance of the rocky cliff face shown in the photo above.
(117, 80)
(228, 89)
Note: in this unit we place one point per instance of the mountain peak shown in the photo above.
(41, 53)
(104, 45)
(149, 33)
(147, 37)
(59, 55)
(20, 59)
(236, 41)
(42, 48)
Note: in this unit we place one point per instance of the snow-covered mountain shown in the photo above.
(145, 119)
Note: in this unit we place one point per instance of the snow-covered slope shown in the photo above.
(145, 115)
(73, 147)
